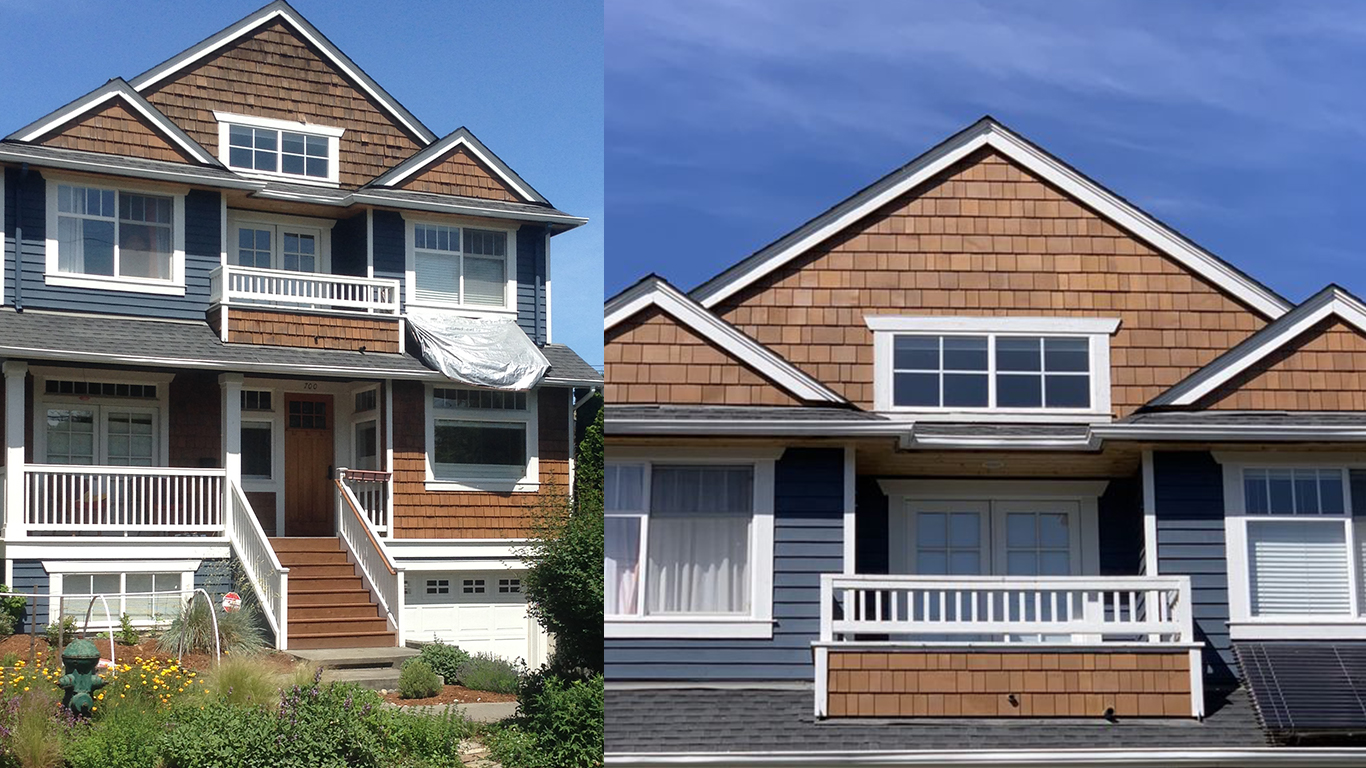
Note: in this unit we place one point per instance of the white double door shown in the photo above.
(989, 537)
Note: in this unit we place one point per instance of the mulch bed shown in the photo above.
(451, 694)
(147, 649)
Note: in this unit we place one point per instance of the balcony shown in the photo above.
(277, 307)
(1004, 646)
(121, 501)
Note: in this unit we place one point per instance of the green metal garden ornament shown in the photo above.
(80, 681)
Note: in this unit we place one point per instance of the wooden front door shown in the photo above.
(308, 464)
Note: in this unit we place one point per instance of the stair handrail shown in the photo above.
(380, 572)
(252, 546)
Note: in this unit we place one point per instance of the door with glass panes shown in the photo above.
(278, 246)
(108, 435)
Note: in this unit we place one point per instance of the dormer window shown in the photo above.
(278, 148)
(1002, 364)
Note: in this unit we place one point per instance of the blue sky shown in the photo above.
(525, 76)
(1241, 124)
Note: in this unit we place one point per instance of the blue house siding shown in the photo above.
(808, 541)
(203, 243)
(531, 274)
(390, 250)
(871, 552)
(1189, 497)
(349, 247)
(1120, 510)
(28, 575)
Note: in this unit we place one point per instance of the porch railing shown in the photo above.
(268, 577)
(371, 490)
(127, 500)
(236, 285)
(962, 609)
(380, 572)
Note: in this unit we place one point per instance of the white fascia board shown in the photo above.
(996, 325)
(712, 427)
(136, 550)
(1331, 302)
(329, 51)
(34, 353)
(993, 135)
(1296, 433)
(1277, 757)
(454, 549)
(119, 90)
(1088, 443)
(280, 125)
(727, 337)
(445, 148)
(16, 154)
(468, 209)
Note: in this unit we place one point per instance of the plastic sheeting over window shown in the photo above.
(483, 353)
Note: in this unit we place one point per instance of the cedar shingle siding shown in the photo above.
(653, 359)
(116, 130)
(272, 73)
(989, 238)
(460, 173)
(1321, 370)
(291, 329)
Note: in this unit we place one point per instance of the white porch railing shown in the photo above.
(380, 572)
(371, 490)
(103, 500)
(236, 285)
(268, 577)
(957, 609)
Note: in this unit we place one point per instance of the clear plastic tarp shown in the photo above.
(483, 353)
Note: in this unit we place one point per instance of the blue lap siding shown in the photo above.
(531, 277)
(808, 541)
(1189, 496)
(29, 577)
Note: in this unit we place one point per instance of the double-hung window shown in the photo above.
(460, 266)
(279, 148)
(114, 238)
(481, 439)
(689, 548)
(1007, 364)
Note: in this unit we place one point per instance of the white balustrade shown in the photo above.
(962, 609)
(268, 577)
(251, 285)
(381, 574)
(371, 490)
(102, 500)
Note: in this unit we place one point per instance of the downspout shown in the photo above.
(19, 239)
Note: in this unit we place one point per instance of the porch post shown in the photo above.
(16, 372)
(232, 426)
(850, 530)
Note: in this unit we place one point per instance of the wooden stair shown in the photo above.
(329, 606)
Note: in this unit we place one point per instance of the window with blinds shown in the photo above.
(452, 265)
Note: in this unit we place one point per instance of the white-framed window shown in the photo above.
(1295, 546)
(127, 237)
(482, 440)
(472, 586)
(509, 586)
(438, 586)
(366, 444)
(1008, 365)
(689, 544)
(472, 268)
(125, 585)
(258, 449)
(104, 418)
(282, 149)
(269, 241)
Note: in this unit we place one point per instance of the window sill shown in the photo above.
(108, 283)
(1299, 628)
(697, 627)
(462, 309)
(491, 485)
(1017, 415)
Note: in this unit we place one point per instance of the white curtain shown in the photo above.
(699, 540)
(621, 566)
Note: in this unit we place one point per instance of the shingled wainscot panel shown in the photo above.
(293, 329)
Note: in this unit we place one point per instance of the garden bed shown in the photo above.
(147, 649)
(451, 694)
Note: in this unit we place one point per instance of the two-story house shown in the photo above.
(985, 466)
(257, 316)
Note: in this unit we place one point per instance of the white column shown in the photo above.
(388, 389)
(232, 425)
(15, 374)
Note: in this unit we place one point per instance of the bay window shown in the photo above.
(689, 547)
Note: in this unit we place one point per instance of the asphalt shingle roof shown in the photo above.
(693, 720)
(739, 413)
(1249, 418)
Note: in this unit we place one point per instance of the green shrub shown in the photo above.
(242, 681)
(444, 659)
(420, 739)
(221, 735)
(513, 746)
(67, 628)
(10, 659)
(38, 730)
(128, 635)
(486, 672)
(14, 605)
(126, 735)
(418, 681)
(192, 630)
(563, 717)
(7, 625)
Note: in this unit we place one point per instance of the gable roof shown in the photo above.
(282, 11)
(435, 153)
(655, 291)
(987, 132)
(1332, 301)
(116, 89)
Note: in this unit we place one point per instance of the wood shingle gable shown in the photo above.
(459, 164)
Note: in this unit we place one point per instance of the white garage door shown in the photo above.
(482, 612)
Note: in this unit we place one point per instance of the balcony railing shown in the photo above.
(278, 287)
(371, 490)
(60, 499)
(963, 609)
(381, 574)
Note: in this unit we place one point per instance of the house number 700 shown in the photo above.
(310, 385)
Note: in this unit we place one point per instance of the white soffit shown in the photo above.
(989, 133)
(655, 292)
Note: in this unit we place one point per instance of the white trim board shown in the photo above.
(655, 292)
(987, 132)
(442, 149)
(282, 11)
(1330, 302)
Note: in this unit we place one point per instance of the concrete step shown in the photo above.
(365, 610)
(374, 678)
(355, 658)
(341, 640)
(306, 596)
(294, 544)
(329, 624)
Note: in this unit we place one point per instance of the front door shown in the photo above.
(308, 464)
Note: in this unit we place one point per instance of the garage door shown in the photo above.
(482, 612)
